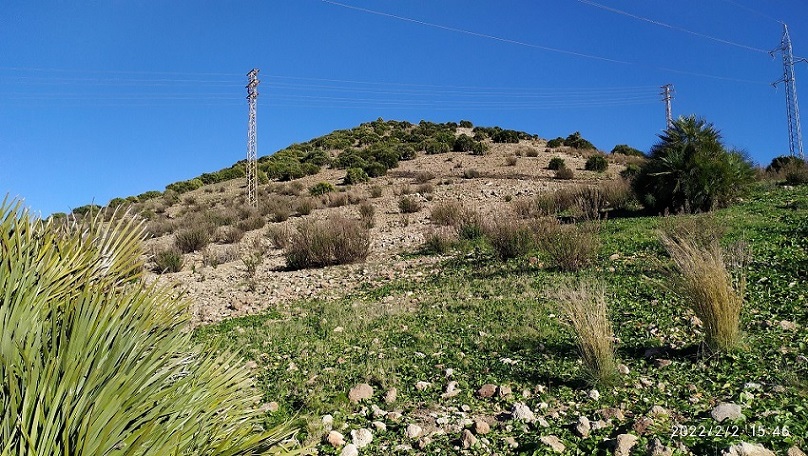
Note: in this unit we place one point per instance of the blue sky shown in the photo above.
(100, 99)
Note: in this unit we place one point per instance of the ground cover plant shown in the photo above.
(476, 340)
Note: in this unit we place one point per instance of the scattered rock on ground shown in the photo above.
(360, 393)
(625, 442)
(451, 390)
(361, 437)
(413, 431)
(350, 450)
(623, 369)
(379, 426)
(748, 449)
(488, 390)
(390, 396)
(522, 412)
(421, 386)
(511, 442)
(656, 448)
(504, 391)
(583, 427)
(795, 451)
(481, 427)
(467, 439)
(593, 394)
(726, 411)
(554, 443)
(335, 439)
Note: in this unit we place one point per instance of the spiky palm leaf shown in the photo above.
(95, 362)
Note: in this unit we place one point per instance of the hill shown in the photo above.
(493, 180)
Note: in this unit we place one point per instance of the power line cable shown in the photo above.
(536, 46)
(753, 11)
(672, 27)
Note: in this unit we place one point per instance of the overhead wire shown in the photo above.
(547, 48)
(672, 27)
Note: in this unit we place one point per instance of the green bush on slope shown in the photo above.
(93, 361)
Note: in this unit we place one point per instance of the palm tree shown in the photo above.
(690, 170)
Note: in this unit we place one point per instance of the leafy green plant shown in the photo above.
(689, 170)
(94, 361)
(596, 163)
(583, 305)
(555, 143)
(556, 163)
(463, 143)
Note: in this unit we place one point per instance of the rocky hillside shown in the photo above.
(405, 171)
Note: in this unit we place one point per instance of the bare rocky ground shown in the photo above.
(224, 291)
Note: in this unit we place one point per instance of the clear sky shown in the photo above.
(108, 98)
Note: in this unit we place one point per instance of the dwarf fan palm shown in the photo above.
(95, 362)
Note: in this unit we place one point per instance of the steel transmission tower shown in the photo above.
(667, 96)
(792, 107)
(252, 155)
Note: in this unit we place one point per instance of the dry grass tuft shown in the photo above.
(583, 305)
(570, 247)
(705, 281)
(327, 242)
(510, 238)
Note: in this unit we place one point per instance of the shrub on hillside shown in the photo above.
(556, 163)
(555, 143)
(185, 186)
(327, 242)
(471, 173)
(103, 363)
(576, 141)
(690, 170)
(778, 164)
(436, 147)
(321, 188)
(366, 214)
(438, 241)
(463, 143)
(596, 163)
(376, 191)
(511, 160)
(505, 136)
(192, 238)
(466, 124)
(479, 148)
(448, 213)
(564, 173)
(305, 206)
(625, 149)
(796, 173)
(355, 176)
(510, 238)
(167, 261)
(408, 205)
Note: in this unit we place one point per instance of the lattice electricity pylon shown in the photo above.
(252, 154)
(667, 95)
(792, 106)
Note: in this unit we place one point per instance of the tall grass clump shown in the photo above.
(705, 281)
(94, 361)
(571, 247)
(583, 305)
(510, 238)
(168, 260)
(192, 238)
(327, 242)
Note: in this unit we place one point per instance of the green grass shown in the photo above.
(477, 311)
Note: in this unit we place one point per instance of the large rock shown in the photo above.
(522, 412)
(335, 439)
(488, 390)
(625, 442)
(350, 450)
(467, 439)
(391, 396)
(795, 451)
(360, 393)
(583, 427)
(748, 449)
(361, 437)
(413, 431)
(481, 427)
(726, 411)
(554, 443)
